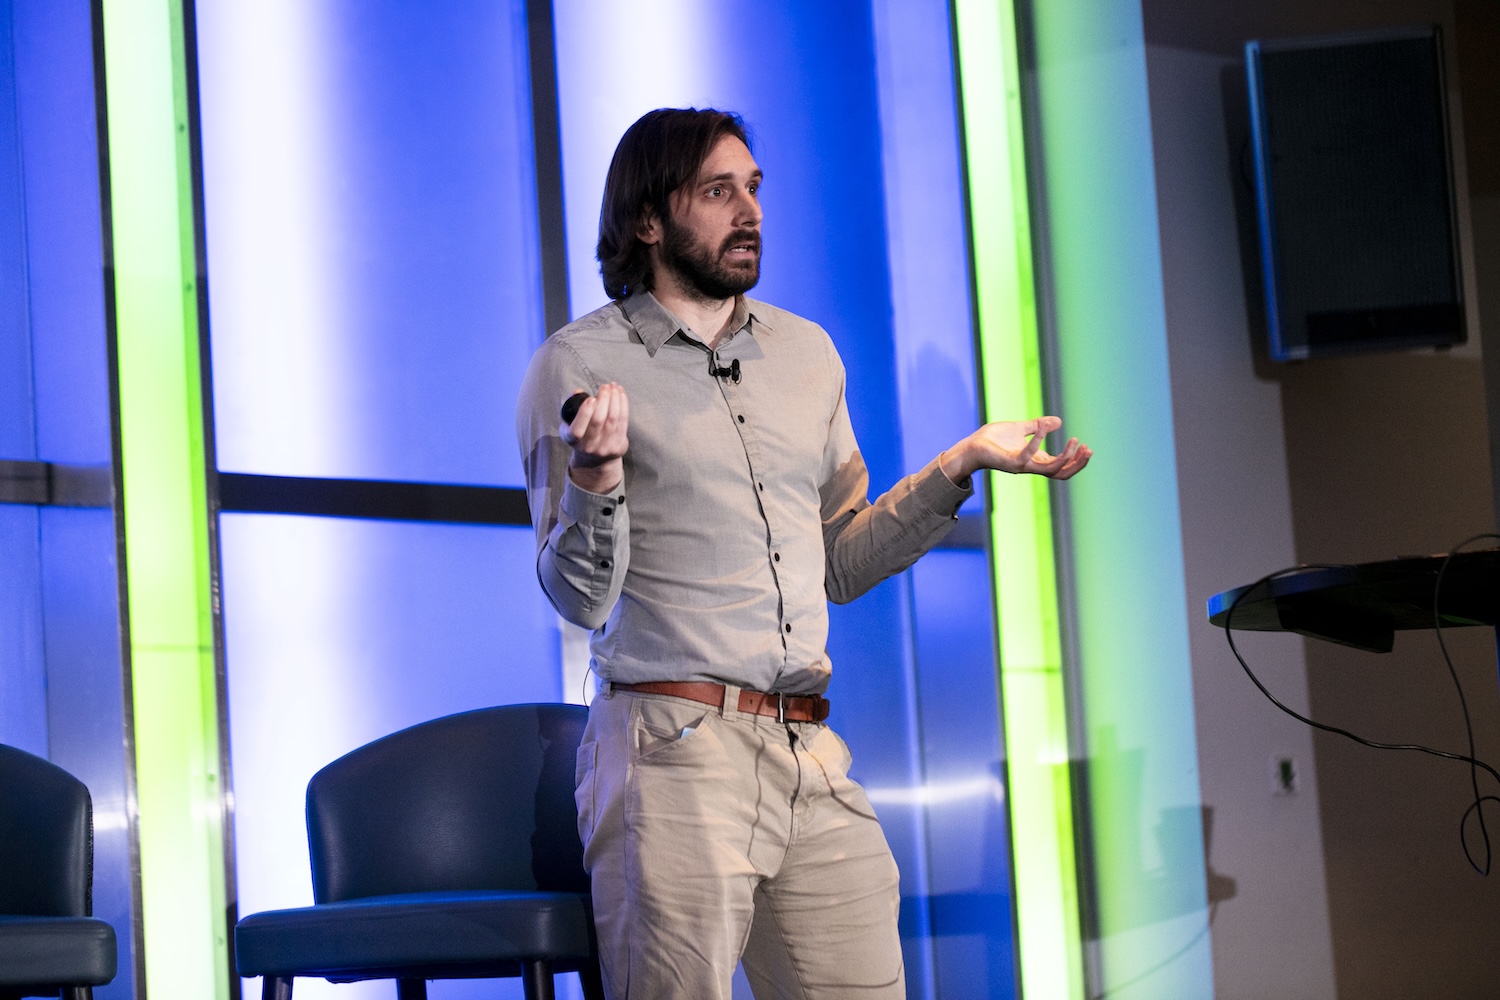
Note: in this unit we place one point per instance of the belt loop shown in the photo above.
(730, 708)
(606, 689)
(781, 708)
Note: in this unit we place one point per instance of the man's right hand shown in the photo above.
(598, 437)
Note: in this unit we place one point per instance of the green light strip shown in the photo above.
(1031, 675)
(166, 513)
(1135, 688)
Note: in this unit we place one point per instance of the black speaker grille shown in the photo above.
(1354, 169)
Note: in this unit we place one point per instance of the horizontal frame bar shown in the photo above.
(389, 500)
(56, 484)
(373, 498)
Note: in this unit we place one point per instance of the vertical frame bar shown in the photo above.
(546, 131)
(127, 681)
(229, 912)
(1020, 517)
(163, 467)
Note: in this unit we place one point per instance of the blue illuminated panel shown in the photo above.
(64, 266)
(809, 82)
(23, 672)
(371, 233)
(928, 246)
(17, 433)
(62, 679)
(87, 718)
(803, 76)
(23, 685)
(375, 296)
(342, 631)
(957, 704)
(615, 62)
(964, 795)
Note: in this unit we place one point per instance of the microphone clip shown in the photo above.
(732, 373)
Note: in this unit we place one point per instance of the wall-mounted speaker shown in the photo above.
(1354, 191)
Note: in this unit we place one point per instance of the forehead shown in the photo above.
(729, 158)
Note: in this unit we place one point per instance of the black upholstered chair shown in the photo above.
(448, 850)
(49, 943)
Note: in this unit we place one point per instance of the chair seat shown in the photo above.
(420, 935)
(72, 951)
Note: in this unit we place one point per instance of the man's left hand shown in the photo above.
(1014, 446)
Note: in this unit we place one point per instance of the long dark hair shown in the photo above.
(660, 153)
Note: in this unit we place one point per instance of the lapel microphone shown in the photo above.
(732, 373)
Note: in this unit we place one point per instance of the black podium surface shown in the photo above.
(1363, 606)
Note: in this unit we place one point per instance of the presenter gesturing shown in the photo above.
(697, 513)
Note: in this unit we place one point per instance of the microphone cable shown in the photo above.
(1477, 807)
(1475, 764)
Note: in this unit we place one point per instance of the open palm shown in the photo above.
(1015, 446)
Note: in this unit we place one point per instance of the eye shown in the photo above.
(715, 191)
(754, 188)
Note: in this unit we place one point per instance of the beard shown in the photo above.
(704, 271)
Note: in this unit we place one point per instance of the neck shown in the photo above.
(708, 318)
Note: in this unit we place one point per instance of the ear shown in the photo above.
(649, 229)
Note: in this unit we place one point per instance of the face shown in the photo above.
(710, 241)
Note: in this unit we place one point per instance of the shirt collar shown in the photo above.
(656, 324)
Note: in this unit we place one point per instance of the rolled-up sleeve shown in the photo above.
(583, 547)
(864, 543)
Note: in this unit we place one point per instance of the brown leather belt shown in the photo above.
(781, 707)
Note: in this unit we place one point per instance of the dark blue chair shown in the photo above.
(49, 943)
(448, 850)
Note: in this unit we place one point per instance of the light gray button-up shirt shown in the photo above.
(743, 508)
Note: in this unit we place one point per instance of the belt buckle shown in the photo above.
(780, 708)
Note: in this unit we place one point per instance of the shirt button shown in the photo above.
(776, 556)
(788, 626)
(762, 487)
(607, 511)
(604, 564)
(621, 499)
(742, 418)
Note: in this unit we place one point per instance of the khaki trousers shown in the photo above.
(711, 836)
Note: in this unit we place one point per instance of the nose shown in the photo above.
(747, 210)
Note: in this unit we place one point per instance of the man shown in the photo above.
(697, 513)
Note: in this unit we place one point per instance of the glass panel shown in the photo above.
(814, 108)
(370, 199)
(87, 717)
(23, 672)
(61, 672)
(964, 794)
(17, 430)
(341, 631)
(23, 683)
(64, 263)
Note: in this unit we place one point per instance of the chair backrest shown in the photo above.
(46, 839)
(479, 800)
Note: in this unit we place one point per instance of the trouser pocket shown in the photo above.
(583, 789)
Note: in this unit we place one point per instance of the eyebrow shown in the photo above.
(754, 176)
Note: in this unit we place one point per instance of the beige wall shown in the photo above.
(1355, 886)
(1269, 922)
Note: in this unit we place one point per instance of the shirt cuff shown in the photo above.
(579, 506)
(939, 494)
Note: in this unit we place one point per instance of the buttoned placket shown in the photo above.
(745, 425)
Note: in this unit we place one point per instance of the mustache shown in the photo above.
(741, 237)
